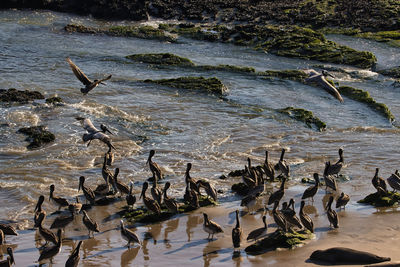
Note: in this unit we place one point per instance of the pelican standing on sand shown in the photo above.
(305, 219)
(90, 224)
(283, 166)
(60, 201)
(332, 215)
(94, 133)
(89, 85)
(47, 235)
(342, 200)
(87, 192)
(10, 259)
(38, 210)
(312, 190)
(211, 227)
(50, 252)
(269, 168)
(74, 258)
(237, 232)
(319, 78)
(130, 198)
(128, 235)
(335, 168)
(329, 180)
(259, 232)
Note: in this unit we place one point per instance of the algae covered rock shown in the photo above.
(210, 85)
(55, 100)
(37, 136)
(390, 37)
(279, 239)
(14, 95)
(161, 59)
(295, 75)
(304, 116)
(364, 97)
(381, 200)
(393, 72)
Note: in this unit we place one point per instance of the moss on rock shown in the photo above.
(390, 37)
(381, 200)
(210, 85)
(304, 116)
(393, 72)
(229, 68)
(161, 59)
(364, 97)
(295, 75)
(14, 95)
(54, 100)
(37, 136)
(279, 239)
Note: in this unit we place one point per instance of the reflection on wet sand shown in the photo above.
(129, 255)
(192, 221)
(171, 226)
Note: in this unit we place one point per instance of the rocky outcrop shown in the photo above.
(37, 136)
(14, 95)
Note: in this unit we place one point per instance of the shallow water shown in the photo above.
(182, 126)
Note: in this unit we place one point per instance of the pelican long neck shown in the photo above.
(105, 163)
(187, 174)
(283, 184)
(249, 163)
(282, 155)
(330, 203)
(376, 173)
(275, 206)
(116, 172)
(11, 256)
(59, 234)
(130, 188)
(316, 178)
(265, 221)
(266, 157)
(341, 155)
(302, 207)
(237, 219)
(327, 165)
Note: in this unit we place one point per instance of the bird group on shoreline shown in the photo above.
(254, 177)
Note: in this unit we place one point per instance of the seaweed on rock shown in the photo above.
(304, 116)
(279, 239)
(14, 95)
(37, 136)
(161, 59)
(381, 200)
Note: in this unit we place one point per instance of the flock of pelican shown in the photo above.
(254, 177)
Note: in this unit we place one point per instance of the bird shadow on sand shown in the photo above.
(190, 245)
(106, 251)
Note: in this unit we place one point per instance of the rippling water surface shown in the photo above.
(216, 135)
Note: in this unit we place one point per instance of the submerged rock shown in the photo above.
(240, 189)
(210, 85)
(279, 239)
(304, 116)
(161, 59)
(364, 97)
(37, 136)
(381, 200)
(14, 95)
(393, 72)
(55, 100)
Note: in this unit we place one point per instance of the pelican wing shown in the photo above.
(88, 125)
(78, 73)
(331, 89)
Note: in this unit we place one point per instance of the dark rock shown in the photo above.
(14, 95)
(37, 136)
(55, 100)
(304, 116)
(240, 189)
(381, 200)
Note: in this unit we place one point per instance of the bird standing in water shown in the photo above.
(128, 235)
(259, 232)
(305, 219)
(312, 190)
(237, 232)
(74, 258)
(89, 84)
(154, 168)
(332, 215)
(211, 227)
(342, 200)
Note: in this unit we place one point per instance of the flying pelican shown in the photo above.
(74, 258)
(237, 232)
(94, 133)
(211, 227)
(319, 78)
(89, 85)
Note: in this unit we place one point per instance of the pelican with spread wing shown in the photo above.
(89, 85)
(319, 78)
(94, 133)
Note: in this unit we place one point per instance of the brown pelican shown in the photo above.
(250, 182)
(312, 190)
(269, 168)
(89, 85)
(259, 232)
(315, 77)
(335, 168)
(342, 200)
(47, 235)
(283, 166)
(2, 238)
(332, 215)
(64, 220)
(8, 229)
(50, 252)
(277, 195)
(378, 181)
(87, 192)
(76, 207)
(211, 227)
(130, 198)
(94, 133)
(210, 190)
(154, 168)
(191, 197)
(290, 215)
(329, 180)
(108, 176)
(60, 201)
(171, 204)
(10, 259)
(279, 218)
(249, 201)
(128, 235)
(122, 188)
(156, 192)
(109, 155)
(189, 180)
(38, 210)
(150, 204)
(394, 181)
(237, 232)
(90, 224)
(74, 258)
(305, 219)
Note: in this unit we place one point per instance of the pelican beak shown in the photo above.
(103, 83)
(89, 143)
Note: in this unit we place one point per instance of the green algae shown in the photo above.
(279, 239)
(381, 200)
(37, 136)
(210, 85)
(228, 68)
(55, 100)
(295, 75)
(142, 215)
(393, 72)
(304, 116)
(161, 59)
(390, 37)
(364, 97)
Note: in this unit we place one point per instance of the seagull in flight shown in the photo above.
(319, 78)
(89, 85)
(94, 133)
